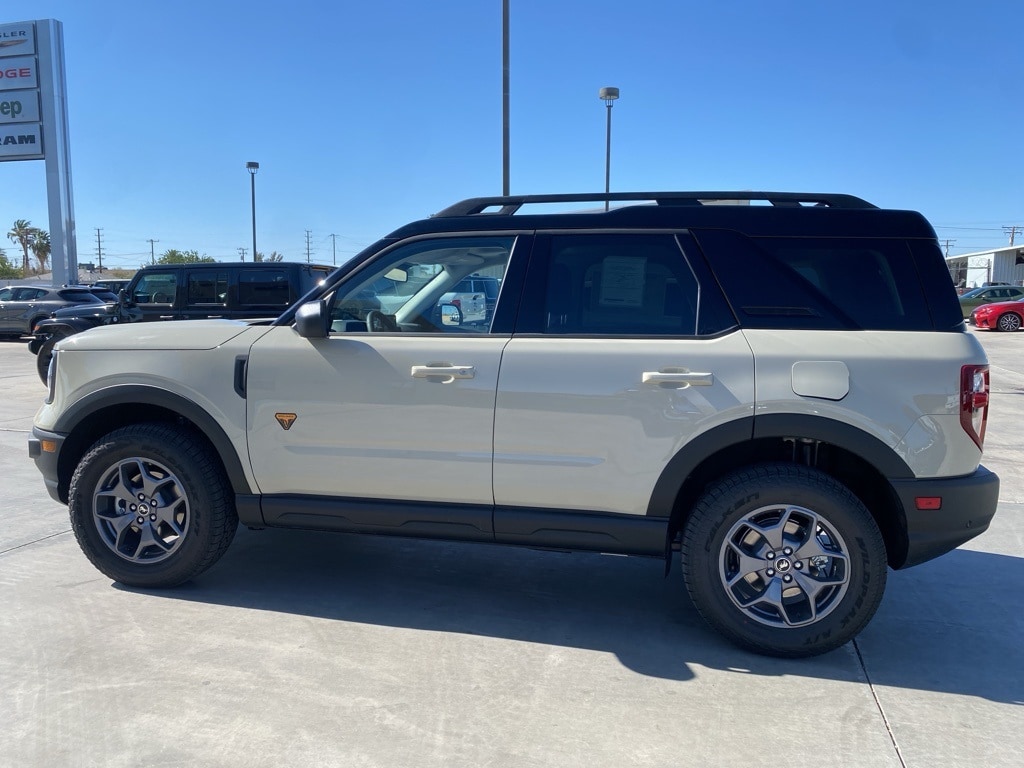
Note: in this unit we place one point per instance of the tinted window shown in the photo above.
(818, 283)
(264, 287)
(208, 287)
(624, 285)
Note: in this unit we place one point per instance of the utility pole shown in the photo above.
(99, 249)
(334, 250)
(241, 252)
(1011, 231)
(152, 254)
(948, 243)
(308, 235)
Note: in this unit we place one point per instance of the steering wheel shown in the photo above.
(378, 322)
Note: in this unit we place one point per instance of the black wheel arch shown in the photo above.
(107, 409)
(857, 459)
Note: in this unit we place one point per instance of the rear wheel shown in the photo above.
(784, 560)
(1009, 321)
(150, 505)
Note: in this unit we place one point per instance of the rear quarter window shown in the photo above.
(819, 283)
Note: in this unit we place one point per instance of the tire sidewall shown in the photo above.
(180, 454)
(715, 516)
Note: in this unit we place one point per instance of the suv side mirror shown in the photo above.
(124, 298)
(311, 320)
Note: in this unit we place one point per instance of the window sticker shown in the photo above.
(622, 281)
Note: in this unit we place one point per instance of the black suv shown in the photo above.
(783, 394)
(185, 292)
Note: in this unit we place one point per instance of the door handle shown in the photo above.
(678, 379)
(443, 372)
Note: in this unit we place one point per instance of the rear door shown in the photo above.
(625, 351)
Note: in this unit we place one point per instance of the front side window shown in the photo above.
(156, 288)
(420, 287)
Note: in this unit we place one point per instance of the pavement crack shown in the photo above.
(878, 705)
(34, 541)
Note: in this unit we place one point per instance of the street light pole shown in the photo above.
(252, 167)
(608, 96)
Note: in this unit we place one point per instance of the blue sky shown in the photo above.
(366, 115)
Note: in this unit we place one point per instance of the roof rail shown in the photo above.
(508, 205)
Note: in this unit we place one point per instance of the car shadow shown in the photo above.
(618, 605)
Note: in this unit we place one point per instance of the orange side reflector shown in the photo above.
(928, 502)
(48, 446)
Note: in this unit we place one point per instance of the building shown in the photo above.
(997, 265)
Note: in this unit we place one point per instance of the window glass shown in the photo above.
(208, 287)
(156, 288)
(620, 285)
(263, 287)
(421, 287)
(818, 283)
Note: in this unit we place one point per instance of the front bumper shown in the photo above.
(968, 506)
(44, 447)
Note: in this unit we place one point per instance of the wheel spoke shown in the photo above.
(773, 534)
(747, 565)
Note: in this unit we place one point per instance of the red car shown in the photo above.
(999, 316)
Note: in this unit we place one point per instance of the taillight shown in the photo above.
(974, 386)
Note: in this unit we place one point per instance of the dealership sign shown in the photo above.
(34, 126)
(21, 128)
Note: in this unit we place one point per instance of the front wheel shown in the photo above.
(784, 560)
(151, 506)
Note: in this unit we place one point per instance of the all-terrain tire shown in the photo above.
(783, 560)
(151, 506)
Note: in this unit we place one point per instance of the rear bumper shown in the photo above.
(968, 506)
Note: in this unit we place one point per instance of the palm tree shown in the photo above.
(41, 248)
(23, 233)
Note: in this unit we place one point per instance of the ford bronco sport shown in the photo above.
(782, 393)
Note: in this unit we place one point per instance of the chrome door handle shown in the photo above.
(443, 372)
(678, 379)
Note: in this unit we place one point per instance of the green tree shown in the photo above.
(41, 248)
(7, 270)
(23, 233)
(274, 256)
(174, 256)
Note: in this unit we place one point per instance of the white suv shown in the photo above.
(783, 393)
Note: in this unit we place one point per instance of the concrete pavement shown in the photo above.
(303, 649)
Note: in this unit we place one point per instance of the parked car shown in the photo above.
(184, 292)
(23, 307)
(113, 284)
(475, 296)
(999, 316)
(988, 294)
(782, 395)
